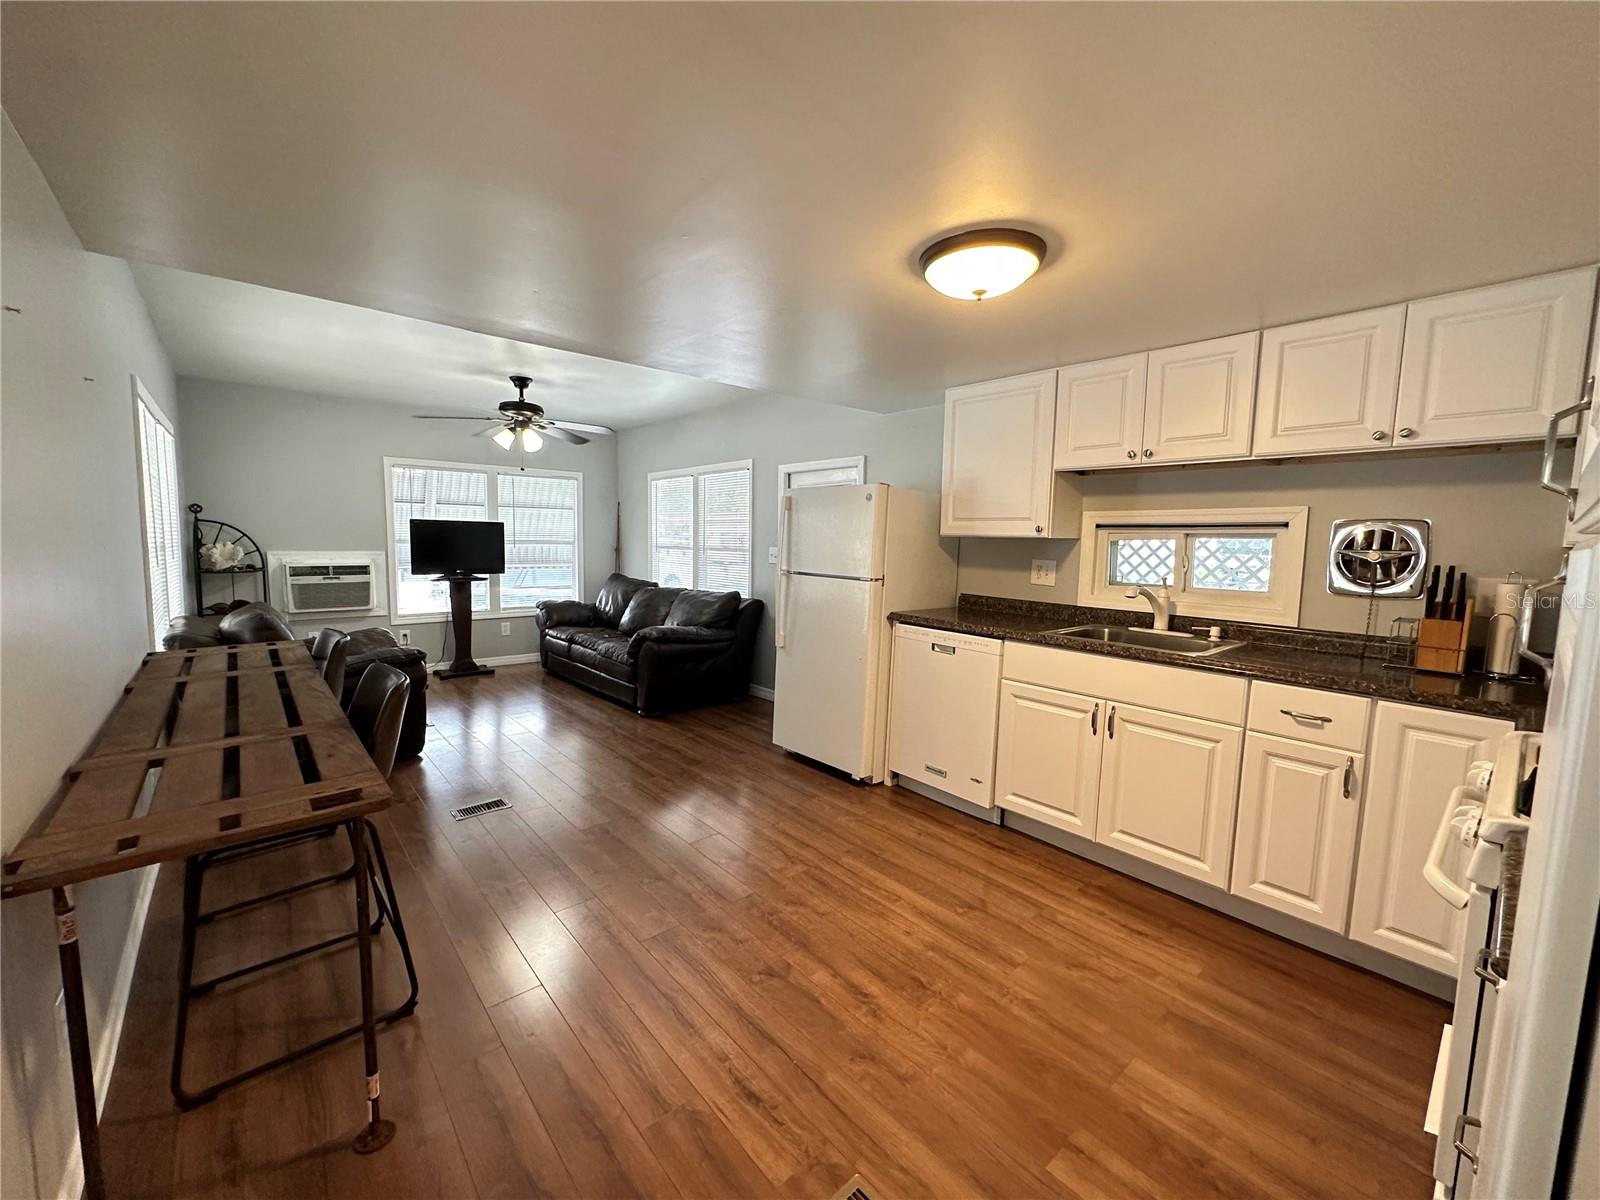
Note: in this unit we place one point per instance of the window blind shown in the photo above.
(163, 531)
(541, 519)
(672, 531)
(433, 493)
(722, 551)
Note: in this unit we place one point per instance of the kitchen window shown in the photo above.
(1245, 563)
(158, 499)
(543, 516)
(700, 527)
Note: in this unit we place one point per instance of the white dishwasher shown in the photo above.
(943, 700)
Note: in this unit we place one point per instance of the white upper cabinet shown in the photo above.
(1100, 413)
(1329, 385)
(1493, 364)
(999, 477)
(1198, 400)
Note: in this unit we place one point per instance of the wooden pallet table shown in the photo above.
(204, 750)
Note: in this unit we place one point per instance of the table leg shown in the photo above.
(378, 1133)
(94, 1180)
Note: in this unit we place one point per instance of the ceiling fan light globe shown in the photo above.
(505, 438)
(531, 441)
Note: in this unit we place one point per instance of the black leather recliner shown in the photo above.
(655, 649)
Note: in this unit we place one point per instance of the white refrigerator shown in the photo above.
(847, 557)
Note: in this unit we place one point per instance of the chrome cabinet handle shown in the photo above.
(1111, 722)
(1300, 716)
(1133, 454)
(1379, 435)
(1464, 1123)
(1149, 453)
(1349, 776)
(1484, 968)
(1547, 464)
(1038, 528)
(1094, 722)
(1405, 433)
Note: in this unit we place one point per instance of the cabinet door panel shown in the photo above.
(998, 447)
(1100, 413)
(1295, 846)
(1048, 764)
(1198, 400)
(1168, 787)
(1493, 364)
(1329, 385)
(1418, 756)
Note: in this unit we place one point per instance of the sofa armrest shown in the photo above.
(679, 635)
(550, 613)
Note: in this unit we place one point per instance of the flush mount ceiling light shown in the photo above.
(982, 263)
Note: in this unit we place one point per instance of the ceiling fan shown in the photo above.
(523, 419)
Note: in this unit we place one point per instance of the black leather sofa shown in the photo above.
(655, 649)
(262, 623)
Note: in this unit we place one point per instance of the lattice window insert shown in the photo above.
(1143, 560)
(1231, 564)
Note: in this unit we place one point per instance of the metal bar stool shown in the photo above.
(376, 711)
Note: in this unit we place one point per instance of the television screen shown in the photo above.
(458, 547)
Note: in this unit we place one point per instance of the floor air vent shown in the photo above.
(856, 1189)
(477, 810)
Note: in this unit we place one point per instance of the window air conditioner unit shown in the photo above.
(322, 586)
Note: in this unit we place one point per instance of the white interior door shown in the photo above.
(826, 686)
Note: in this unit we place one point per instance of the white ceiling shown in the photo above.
(243, 333)
(738, 192)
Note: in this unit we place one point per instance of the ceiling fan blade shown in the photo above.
(564, 435)
(580, 427)
(437, 417)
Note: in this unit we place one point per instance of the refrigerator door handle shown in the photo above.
(779, 634)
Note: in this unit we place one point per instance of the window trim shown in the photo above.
(745, 464)
(492, 493)
(143, 400)
(858, 461)
(1280, 606)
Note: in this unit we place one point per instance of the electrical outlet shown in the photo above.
(1043, 573)
(405, 637)
(772, 554)
(505, 628)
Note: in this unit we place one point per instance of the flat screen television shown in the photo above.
(458, 547)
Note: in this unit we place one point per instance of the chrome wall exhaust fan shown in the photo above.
(1382, 557)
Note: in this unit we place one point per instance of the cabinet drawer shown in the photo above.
(1171, 689)
(1310, 715)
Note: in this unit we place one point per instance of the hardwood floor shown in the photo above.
(687, 965)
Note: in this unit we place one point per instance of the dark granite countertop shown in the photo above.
(1338, 662)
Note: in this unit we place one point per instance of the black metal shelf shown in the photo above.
(208, 532)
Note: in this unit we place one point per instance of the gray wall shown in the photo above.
(302, 472)
(901, 449)
(76, 621)
(1489, 516)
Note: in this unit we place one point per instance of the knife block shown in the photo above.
(1442, 645)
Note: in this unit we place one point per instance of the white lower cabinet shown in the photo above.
(1048, 765)
(1168, 786)
(1295, 846)
(1418, 756)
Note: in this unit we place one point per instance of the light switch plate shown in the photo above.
(772, 554)
(1044, 572)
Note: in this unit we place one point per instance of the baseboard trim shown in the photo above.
(1323, 941)
(762, 693)
(497, 660)
(110, 1040)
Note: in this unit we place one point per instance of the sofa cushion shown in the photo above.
(615, 593)
(190, 632)
(714, 610)
(648, 607)
(254, 623)
(608, 643)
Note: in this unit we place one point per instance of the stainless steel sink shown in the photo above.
(1188, 644)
